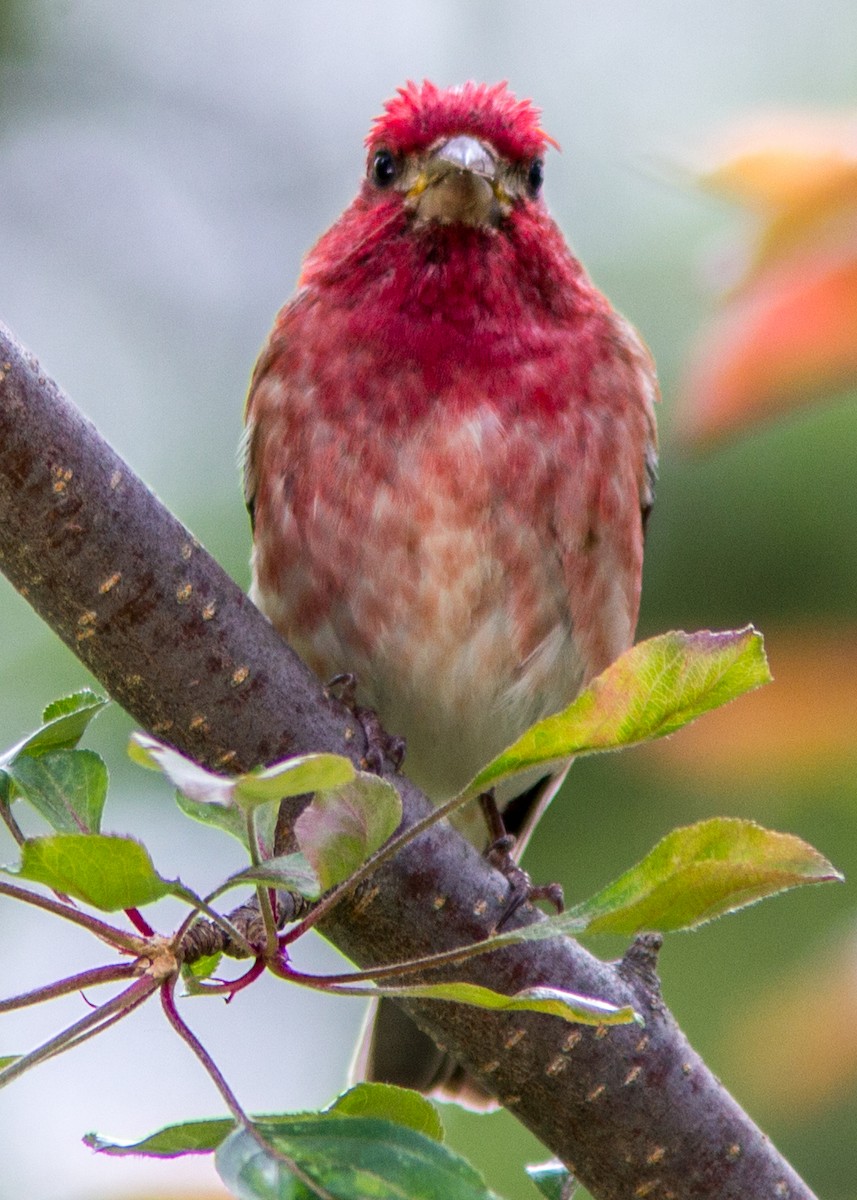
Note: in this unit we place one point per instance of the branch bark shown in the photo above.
(632, 1112)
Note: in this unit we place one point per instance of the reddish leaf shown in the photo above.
(340, 829)
(791, 340)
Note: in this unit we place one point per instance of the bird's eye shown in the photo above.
(384, 168)
(535, 176)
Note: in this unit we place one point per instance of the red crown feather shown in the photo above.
(419, 114)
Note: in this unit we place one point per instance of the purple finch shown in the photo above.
(451, 447)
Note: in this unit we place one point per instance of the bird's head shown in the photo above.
(448, 240)
(461, 156)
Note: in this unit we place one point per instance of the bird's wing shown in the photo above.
(605, 496)
(268, 392)
(602, 506)
(249, 448)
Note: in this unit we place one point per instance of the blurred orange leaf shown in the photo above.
(798, 173)
(774, 159)
(804, 723)
(788, 335)
(790, 340)
(795, 1049)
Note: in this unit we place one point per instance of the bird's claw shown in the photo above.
(522, 890)
(381, 747)
(499, 853)
(344, 687)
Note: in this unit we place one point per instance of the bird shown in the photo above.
(450, 453)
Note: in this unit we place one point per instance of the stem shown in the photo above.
(139, 922)
(107, 933)
(168, 1002)
(319, 984)
(263, 894)
(10, 822)
(388, 851)
(74, 983)
(232, 987)
(120, 1005)
(408, 966)
(133, 1004)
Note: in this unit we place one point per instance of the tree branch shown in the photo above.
(632, 1112)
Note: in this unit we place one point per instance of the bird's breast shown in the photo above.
(427, 566)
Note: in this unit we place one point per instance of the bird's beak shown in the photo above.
(459, 185)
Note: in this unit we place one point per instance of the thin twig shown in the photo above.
(139, 922)
(231, 987)
(10, 823)
(74, 983)
(263, 893)
(117, 938)
(121, 1004)
(168, 1002)
(407, 967)
(133, 1004)
(319, 984)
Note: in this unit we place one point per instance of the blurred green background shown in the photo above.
(162, 170)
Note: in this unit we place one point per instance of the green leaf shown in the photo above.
(202, 968)
(352, 1158)
(693, 875)
(390, 1103)
(700, 872)
(230, 820)
(233, 821)
(291, 872)
(293, 777)
(653, 689)
(221, 801)
(64, 724)
(68, 787)
(110, 873)
(581, 1010)
(553, 1180)
(265, 825)
(189, 1137)
(7, 1060)
(338, 830)
(186, 1137)
(77, 704)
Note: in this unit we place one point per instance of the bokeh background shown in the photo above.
(162, 169)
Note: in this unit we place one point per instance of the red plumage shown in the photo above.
(419, 114)
(451, 443)
(448, 438)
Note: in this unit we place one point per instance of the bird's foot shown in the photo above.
(343, 687)
(522, 890)
(381, 747)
